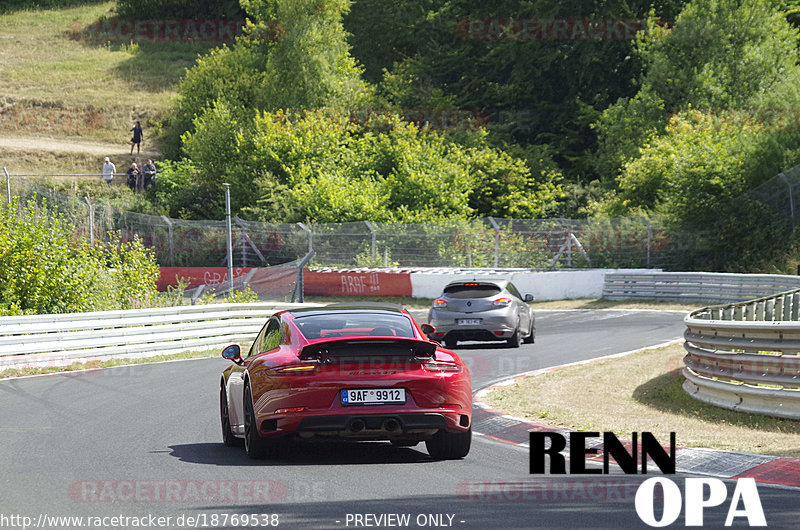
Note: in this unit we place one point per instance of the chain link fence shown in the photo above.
(633, 242)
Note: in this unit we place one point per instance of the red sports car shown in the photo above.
(352, 372)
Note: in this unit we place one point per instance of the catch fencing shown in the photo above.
(635, 242)
(744, 356)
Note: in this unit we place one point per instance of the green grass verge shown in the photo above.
(22, 372)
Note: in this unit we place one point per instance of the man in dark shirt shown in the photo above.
(149, 170)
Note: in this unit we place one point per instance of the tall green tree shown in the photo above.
(295, 55)
(310, 66)
(533, 89)
(719, 55)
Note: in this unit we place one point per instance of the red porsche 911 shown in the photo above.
(347, 372)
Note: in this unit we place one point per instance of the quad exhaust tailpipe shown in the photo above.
(391, 425)
(357, 426)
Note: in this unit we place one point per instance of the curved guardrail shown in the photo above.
(59, 339)
(703, 287)
(744, 356)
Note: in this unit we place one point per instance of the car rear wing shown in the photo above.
(344, 349)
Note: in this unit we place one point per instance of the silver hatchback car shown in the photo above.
(482, 310)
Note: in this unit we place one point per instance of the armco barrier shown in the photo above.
(694, 286)
(744, 356)
(52, 340)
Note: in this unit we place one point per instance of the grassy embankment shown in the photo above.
(66, 101)
(642, 392)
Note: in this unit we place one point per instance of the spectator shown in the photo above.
(149, 171)
(109, 170)
(134, 177)
(138, 136)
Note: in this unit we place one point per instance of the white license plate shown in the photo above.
(468, 321)
(373, 396)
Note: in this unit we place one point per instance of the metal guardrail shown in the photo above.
(54, 340)
(714, 287)
(745, 356)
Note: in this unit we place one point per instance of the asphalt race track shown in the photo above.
(142, 441)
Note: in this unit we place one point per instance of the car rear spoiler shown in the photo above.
(339, 348)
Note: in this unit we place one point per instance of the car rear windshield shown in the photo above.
(322, 326)
(471, 290)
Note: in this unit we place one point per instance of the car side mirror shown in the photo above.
(233, 353)
(529, 298)
(428, 329)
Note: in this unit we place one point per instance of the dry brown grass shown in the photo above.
(642, 392)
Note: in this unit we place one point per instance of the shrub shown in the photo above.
(45, 269)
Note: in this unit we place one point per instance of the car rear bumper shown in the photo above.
(368, 426)
(475, 334)
(499, 323)
(491, 328)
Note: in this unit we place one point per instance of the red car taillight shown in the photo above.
(295, 369)
(501, 302)
(440, 303)
(441, 366)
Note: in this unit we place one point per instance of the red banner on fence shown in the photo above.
(355, 283)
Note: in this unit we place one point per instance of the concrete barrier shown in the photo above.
(543, 285)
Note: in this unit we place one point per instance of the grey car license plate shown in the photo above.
(468, 321)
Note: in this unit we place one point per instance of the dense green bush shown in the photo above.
(44, 269)
(320, 166)
(697, 175)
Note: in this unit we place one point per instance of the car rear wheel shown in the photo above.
(228, 437)
(531, 335)
(513, 341)
(256, 446)
(253, 444)
(449, 445)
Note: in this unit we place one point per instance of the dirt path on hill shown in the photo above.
(36, 143)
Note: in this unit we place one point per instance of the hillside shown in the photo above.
(67, 99)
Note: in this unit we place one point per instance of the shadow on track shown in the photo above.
(304, 454)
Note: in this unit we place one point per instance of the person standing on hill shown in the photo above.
(138, 136)
(109, 170)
